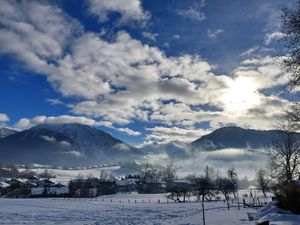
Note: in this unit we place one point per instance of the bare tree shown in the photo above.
(169, 175)
(210, 173)
(149, 174)
(203, 187)
(149, 180)
(226, 187)
(262, 181)
(290, 26)
(285, 155)
(102, 175)
(179, 190)
(232, 175)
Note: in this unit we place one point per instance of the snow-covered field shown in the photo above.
(64, 176)
(116, 209)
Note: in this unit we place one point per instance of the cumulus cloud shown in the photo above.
(274, 36)
(3, 118)
(130, 10)
(26, 123)
(35, 32)
(122, 80)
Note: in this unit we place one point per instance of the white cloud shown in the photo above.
(150, 36)
(130, 10)
(167, 134)
(212, 34)
(129, 131)
(176, 36)
(48, 138)
(26, 123)
(123, 79)
(3, 118)
(122, 147)
(74, 153)
(54, 101)
(275, 36)
(35, 32)
(243, 160)
(249, 51)
(193, 12)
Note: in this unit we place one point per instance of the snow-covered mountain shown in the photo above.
(235, 137)
(76, 145)
(5, 132)
(64, 144)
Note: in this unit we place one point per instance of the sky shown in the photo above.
(145, 71)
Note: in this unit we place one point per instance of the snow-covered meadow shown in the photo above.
(117, 209)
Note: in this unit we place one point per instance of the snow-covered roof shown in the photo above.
(297, 182)
(182, 181)
(4, 184)
(33, 177)
(21, 180)
(125, 182)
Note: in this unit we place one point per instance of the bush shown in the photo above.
(289, 197)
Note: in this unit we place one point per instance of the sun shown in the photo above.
(240, 95)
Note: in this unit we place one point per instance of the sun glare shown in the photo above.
(240, 95)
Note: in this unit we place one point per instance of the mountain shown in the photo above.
(64, 144)
(235, 137)
(5, 132)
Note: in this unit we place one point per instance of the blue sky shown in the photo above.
(142, 70)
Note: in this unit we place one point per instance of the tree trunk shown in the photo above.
(203, 210)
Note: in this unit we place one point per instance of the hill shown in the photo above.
(64, 144)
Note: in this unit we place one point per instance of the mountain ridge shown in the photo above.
(70, 144)
(235, 137)
(5, 132)
(75, 144)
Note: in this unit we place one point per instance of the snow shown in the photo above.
(276, 216)
(64, 176)
(4, 184)
(115, 209)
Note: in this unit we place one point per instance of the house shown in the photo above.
(3, 187)
(33, 179)
(50, 190)
(91, 187)
(56, 190)
(45, 183)
(126, 185)
(18, 188)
